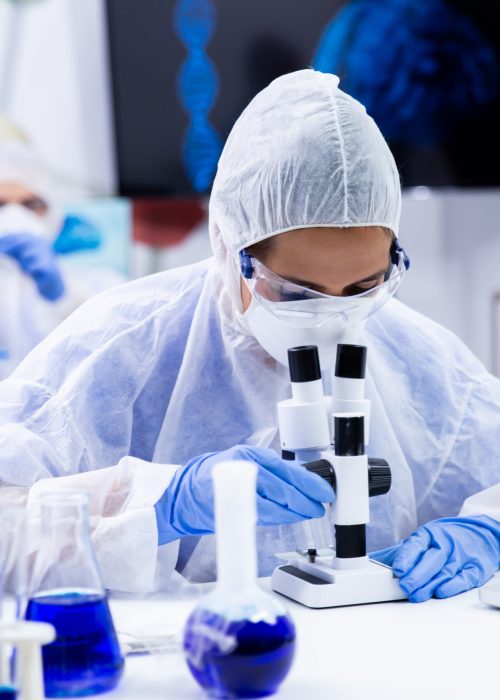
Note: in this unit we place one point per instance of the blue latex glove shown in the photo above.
(445, 557)
(76, 234)
(286, 493)
(36, 258)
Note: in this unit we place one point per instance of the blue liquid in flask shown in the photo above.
(239, 658)
(8, 692)
(85, 658)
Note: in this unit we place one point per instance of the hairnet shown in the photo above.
(302, 154)
(10, 131)
(20, 164)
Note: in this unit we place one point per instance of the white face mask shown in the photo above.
(276, 335)
(14, 218)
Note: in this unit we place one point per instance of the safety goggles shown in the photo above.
(290, 301)
(37, 205)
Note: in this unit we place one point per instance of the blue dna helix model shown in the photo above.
(197, 89)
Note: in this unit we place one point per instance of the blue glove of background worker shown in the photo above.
(286, 493)
(445, 557)
(76, 234)
(37, 259)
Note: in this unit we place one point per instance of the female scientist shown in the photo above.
(185, 368)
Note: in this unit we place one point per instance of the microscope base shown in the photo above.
(320, 586)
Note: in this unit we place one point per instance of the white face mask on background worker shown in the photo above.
(15, 218)
(23, 210)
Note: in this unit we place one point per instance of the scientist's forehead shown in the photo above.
(15, 191)
(318, 239)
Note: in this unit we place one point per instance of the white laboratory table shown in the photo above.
(438, 649)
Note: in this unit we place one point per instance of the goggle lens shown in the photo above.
(287, 300)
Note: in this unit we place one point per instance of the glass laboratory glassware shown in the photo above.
(12, 590)
(66, 590)
(239, 641)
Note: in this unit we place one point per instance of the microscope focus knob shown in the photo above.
(324, 469)
(379, 476)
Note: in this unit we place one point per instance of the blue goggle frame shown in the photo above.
(248, 268)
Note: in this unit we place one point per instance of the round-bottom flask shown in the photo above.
(239, 649)
(239, 641)
(66, 591)
(12, 590)
(7, 693)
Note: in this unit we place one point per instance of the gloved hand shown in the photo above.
(445, 557)
(76, 234)
(36, 258)
(286, 493)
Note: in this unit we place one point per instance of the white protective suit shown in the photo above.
(25, 316)
(164, 368)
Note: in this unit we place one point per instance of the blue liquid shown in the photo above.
(238, 659)
(85, 658)
(7, 692)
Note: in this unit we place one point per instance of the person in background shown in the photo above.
(141, 392)
(39, 285)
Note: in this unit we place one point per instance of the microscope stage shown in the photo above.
(319, 585)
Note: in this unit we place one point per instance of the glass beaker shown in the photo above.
(66, 591)
(12, 590)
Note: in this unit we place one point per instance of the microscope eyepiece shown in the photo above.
(303, 362)
(351, 361)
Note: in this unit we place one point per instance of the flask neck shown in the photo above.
(236, 553)
(64, 522)
(65, 560)
(235, 518)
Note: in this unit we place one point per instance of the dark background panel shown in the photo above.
(145, 57)
(253, 43)
(256, 42)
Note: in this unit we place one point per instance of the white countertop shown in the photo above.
(438, 649)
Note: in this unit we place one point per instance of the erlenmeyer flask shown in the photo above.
(12, 591)
(66, 590)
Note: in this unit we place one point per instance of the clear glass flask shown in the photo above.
(66, 591)
(12, 591)
(239, 641)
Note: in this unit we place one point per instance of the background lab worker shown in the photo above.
(185, 368)
(39, 285)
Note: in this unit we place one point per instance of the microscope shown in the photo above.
(327, 435)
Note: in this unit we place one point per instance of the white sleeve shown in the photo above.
(122, 522)
(485, 502)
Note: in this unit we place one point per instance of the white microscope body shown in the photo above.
(327, 435)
